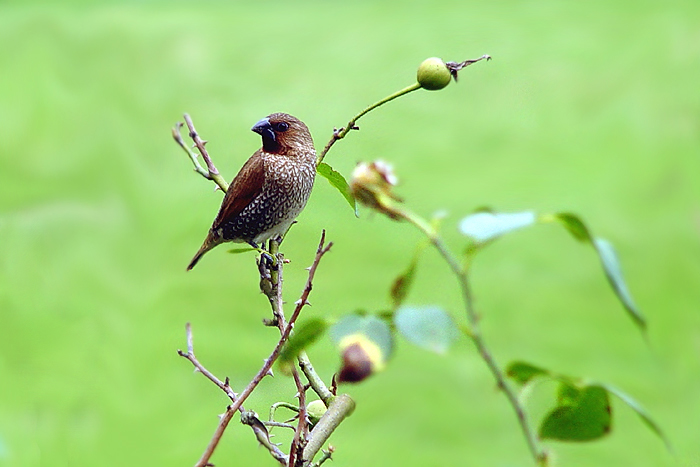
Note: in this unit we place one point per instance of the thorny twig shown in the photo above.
(296, 450)
(265, 370)
(211, 172)
(326, 455)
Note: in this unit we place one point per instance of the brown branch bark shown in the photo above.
(285, 330)
(211, 172)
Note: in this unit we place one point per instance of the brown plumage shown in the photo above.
(270, 190)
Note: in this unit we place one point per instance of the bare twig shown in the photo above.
(238, 401)
(326, 455)
(189, 355)
(263, 436)
(200, 143)
(296, 449)
(274, 424)
(192, 155)
(211, 172)
(340, 408)
(315, 381)
(226, 417)
(303, 299)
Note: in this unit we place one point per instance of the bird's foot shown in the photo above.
(270, 261)
(266, 258)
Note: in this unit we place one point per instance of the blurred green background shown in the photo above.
(587, 107)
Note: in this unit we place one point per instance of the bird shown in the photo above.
(270, 190)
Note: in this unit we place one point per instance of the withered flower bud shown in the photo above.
(372, 185)
(361, 358)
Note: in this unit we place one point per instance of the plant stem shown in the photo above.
(475, 333)
(340, 134)
(285, 331)
(341, 407)
(315, 381)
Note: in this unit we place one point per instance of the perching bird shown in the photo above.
(270, 190)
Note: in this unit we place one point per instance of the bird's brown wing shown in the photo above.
(243, 189)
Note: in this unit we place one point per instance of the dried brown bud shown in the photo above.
(372, 185)
(361, 358)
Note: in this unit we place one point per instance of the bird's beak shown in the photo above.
(264, 129)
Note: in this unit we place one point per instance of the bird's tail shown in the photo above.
(209, 243)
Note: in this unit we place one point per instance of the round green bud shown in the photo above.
(315, 410)
(433, 74)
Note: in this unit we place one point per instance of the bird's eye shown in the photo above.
(281, 127)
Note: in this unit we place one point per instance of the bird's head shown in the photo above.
(284, 134)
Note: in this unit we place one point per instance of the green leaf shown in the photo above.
(429, 327)
(402, 284)
(484, 226)
(608, 258)
(522, 372)
(244, 249)
(646, 418)
(582, 414)
(374, 329)
(338, 181)
(574, 225)
(305, 334)
(611, 265)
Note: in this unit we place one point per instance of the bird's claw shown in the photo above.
(270, 262)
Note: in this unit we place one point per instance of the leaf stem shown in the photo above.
(474, 332)
(315, 381)
(352, 124)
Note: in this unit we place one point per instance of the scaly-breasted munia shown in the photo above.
(270, 190)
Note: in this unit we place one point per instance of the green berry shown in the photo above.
(315, 410)
(433, 74)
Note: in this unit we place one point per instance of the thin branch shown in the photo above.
(225, 419)
(315, 381)
(296, 449)
(278, 424)
(475, 333)
(189, 355)
(328, 454)
(211, 172)
(352, 124)
(339, 134)
(340, 408)
(303, 299)
(231, 410)
(263, 436)
(191, 154)
(200, 143)
(286, 405)
(238, 401)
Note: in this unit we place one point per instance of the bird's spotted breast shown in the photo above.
(270, 190)
(284, 195)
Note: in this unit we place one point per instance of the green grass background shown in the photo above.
(587, 107)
